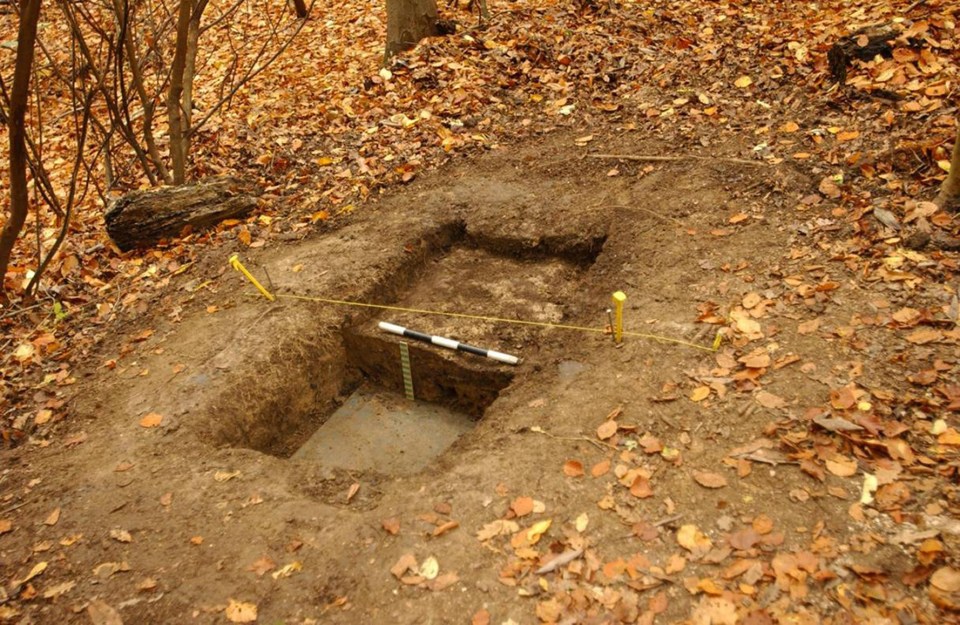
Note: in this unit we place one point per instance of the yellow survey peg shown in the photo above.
(236, 264)
(618, 299)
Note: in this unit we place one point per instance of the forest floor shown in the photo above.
(775, 440)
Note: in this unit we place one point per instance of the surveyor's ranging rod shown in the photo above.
(448, 343)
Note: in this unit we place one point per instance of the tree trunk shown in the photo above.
(300, 6)
(949, 197)
(409, 21)
(142, 218)
(19, 97)
(178, 148)
(189, 73)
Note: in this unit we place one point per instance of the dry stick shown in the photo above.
(600, 445)
(657, 159)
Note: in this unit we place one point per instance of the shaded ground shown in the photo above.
(173, 522)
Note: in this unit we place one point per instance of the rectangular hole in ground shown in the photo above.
(360, 419)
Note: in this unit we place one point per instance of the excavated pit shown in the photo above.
(343, 405)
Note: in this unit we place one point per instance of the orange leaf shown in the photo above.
(607, 429)
(841, 466)
(151, 420)
(573, 468)
(601, 468)
(709, 480)
(53, 517)
(522, 506)
(700, 393)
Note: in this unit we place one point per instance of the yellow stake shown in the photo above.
(236, 264)
(618, 299)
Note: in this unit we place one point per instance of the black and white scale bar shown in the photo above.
(448, 343)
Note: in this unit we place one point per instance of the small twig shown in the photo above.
(564, 558)
(577, 439)
(668, 520)
(14, 507)
(914, 5)
(658, 159)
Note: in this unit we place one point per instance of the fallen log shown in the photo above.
(144, 218)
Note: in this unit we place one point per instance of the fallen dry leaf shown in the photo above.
(607, 429)
(101, 613)
(573, 468)
(237, 612)
(769, 400)
(53, 517)
(59, 589)
(500, 527)
(151, 420)
(407, 562)
(842, 466)
(391, 525)
(693, 540)
(700, 393)
(601, 468)
(262, 565)
(522, 506)
(709, 480)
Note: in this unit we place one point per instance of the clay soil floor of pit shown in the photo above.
(182, 522)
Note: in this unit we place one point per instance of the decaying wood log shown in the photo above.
(142, 218)
(863, 44)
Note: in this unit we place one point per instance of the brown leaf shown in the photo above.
(841, 466)
(744, 539)
(769, 400)
(122, 536)
(522, 506)
(946, 578)
(407, 562)
(352, 491)
(166, 499)
(237, 612)
(836, 424)
(101, 613)
(693, 540)
(6, 525)
(700, 393)
(829, 188)
(262, 566)
(443, 581)
(573, 468)
(444, 528)
(924, 336)
(53, 517)
(641, 488)
(762, 524)
(843, 398)
(151, 420)
(607, 429)
(709, 480)
(391, 525)
(601, 468)
(482, 617)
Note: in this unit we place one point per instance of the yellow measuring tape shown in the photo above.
(235, 262)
